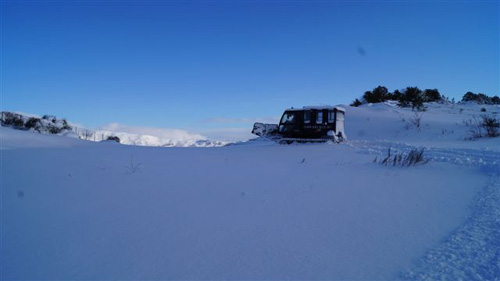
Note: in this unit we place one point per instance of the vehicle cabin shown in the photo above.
(313, 122)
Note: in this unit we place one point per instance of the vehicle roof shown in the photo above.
(321, 107)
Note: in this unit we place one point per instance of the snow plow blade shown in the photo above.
(265, 130)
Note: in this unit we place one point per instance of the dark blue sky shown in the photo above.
(202, 65)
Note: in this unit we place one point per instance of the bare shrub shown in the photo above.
(133, 166)
(484, 126)
(413, 158)
(475, 128)
(415, 121)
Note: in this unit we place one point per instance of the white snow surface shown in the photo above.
(74, 210)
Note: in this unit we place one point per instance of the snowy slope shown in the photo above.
(442, 125)
(83, 210)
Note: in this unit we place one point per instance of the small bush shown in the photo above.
(113, 138)
(413, 158)
(12, 119)
(66, 126)
(356, 103)
(33, 123)
(483, 109)
(491, 125)
(54, 129)
(50, 118)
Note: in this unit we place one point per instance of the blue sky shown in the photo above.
(217, 65)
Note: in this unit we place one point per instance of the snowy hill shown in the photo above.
(258, 210)
(441, 125)
(45, 125)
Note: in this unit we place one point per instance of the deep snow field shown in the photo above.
(75, 210)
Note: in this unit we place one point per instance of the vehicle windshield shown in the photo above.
(288, 118)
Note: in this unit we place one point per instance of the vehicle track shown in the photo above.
(459, 156)
(472, 251)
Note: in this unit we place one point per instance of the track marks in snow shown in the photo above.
(472, 252)
(459, 156)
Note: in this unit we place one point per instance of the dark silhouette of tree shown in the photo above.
(469, 96)
(484, 99)
(368, 97)
(396, 95)
(356, 103)
(414, 97)
(379, 94)
(431, 95)
(495, 100)
(480, 98)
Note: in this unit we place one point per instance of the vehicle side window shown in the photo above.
(319, 117)
(307, 117)
(331, 116)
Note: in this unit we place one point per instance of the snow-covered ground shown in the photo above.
(73, 209)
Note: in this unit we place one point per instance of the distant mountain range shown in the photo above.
(49, 124)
